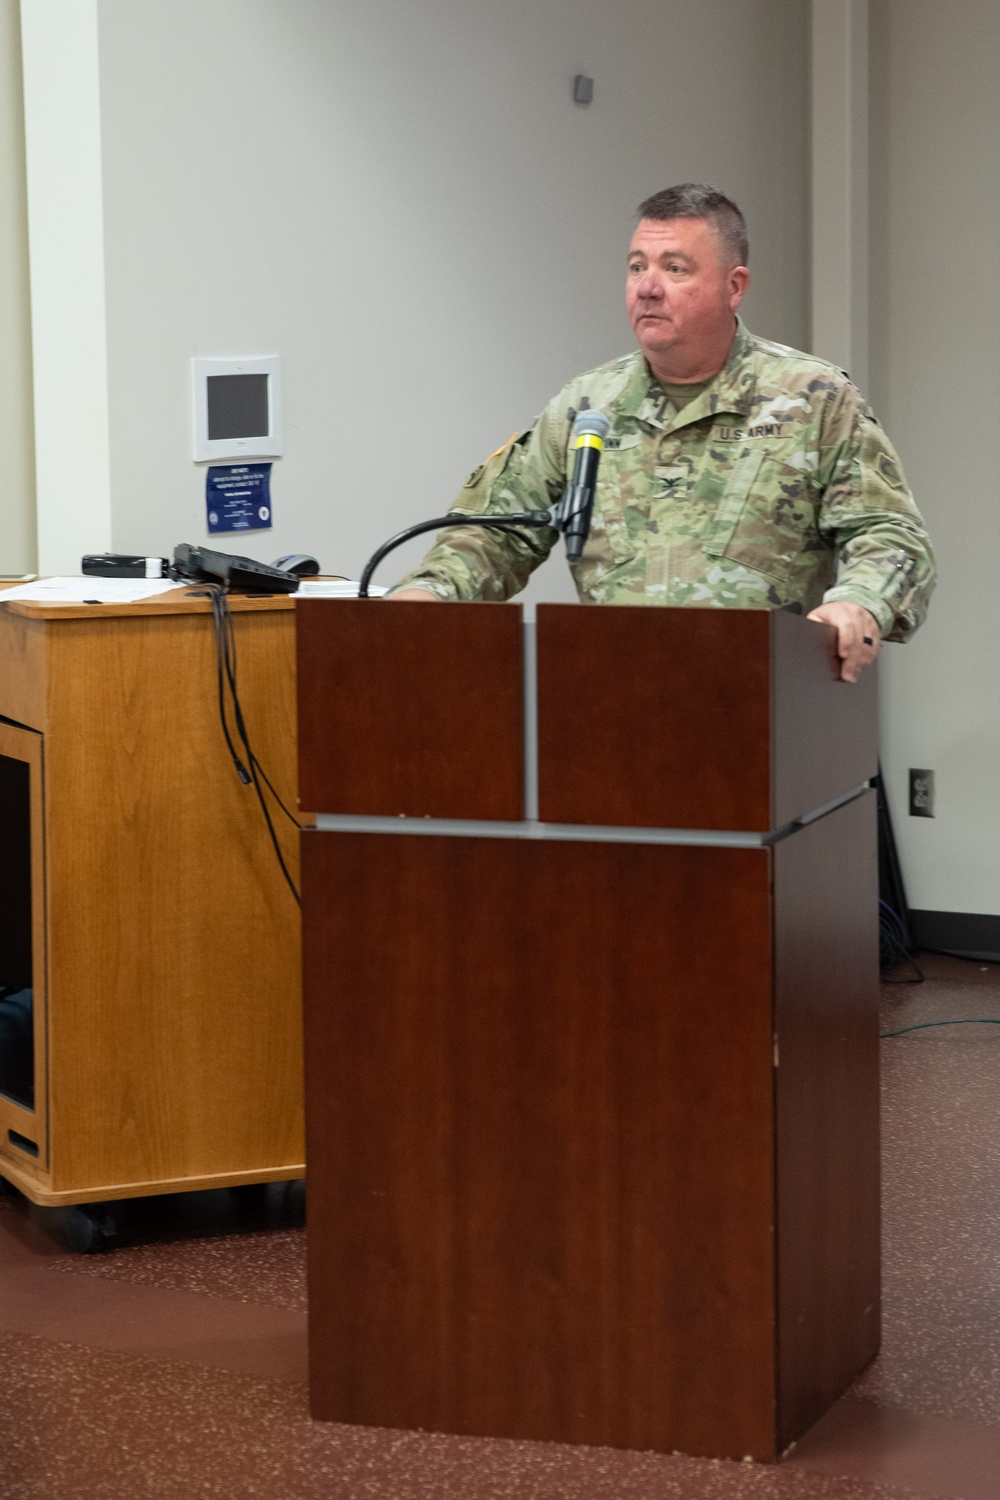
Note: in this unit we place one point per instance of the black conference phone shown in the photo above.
(201, 565)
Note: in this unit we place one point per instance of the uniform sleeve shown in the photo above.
(885, 558)
(479, 562)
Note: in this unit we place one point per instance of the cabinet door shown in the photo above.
(23, 1007)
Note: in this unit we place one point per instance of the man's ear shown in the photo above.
(739, 280)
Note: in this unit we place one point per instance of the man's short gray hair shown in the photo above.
(693, 200)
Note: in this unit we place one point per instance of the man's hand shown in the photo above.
(415, 596)
(857, 636)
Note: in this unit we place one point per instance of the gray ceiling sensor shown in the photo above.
(583, 89)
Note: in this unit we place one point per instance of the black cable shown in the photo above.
(289, 815)
(230, 665)
(540, 518)
(918, 976)
(894, 946)
(241, 729)
(225, 654)
(273, 835)
(891, 886)
(216, 594)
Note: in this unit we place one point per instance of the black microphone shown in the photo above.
(587, 439)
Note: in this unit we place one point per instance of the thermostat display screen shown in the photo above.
(237, 407)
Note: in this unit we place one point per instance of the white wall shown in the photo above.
(839, 269)
(935, 228)
(405, 204)
(66, 242)
(17, 507)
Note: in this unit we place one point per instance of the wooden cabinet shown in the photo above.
(144, 901)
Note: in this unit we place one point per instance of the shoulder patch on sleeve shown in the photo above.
(890, 472)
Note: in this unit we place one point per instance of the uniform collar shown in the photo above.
(732, 390)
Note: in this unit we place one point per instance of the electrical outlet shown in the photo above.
(921, 794)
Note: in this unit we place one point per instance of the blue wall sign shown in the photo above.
(238, 497)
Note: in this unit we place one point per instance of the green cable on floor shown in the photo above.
(926, 1025)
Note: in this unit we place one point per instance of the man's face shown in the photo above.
(681, 295)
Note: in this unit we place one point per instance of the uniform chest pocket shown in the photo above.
(619, 482)
(766, 517)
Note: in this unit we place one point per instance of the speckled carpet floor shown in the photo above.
(174, 1365)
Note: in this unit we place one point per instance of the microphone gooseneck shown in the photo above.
(571, 515)
(442, 523)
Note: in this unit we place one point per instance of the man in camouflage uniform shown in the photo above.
(736, 472)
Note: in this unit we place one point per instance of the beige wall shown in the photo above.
(405, 204)
(935, 237)
(17, 504)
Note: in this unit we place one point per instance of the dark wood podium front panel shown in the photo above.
(824, 731)
(826, 1002)
(540, 1136)
(654, 717)
(696, 718)
(406, 709)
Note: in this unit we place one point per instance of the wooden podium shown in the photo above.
(590, 969)
(141, 901)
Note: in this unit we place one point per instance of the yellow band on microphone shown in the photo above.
(589, 440)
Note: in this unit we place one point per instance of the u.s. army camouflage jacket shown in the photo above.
(775, 486)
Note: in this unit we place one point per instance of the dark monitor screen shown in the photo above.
(17, 1047)
(237, 407)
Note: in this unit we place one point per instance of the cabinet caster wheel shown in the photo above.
(295, 1201)
(90, 1228)
(250, 1198)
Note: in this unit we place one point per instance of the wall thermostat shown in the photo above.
(237, 408)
